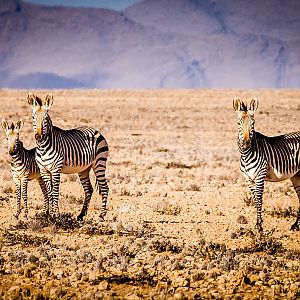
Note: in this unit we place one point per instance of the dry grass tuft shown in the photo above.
(242, 219)
(10, 239)
(248, 199)
(284, 212)
(177, 165)
(165, 207)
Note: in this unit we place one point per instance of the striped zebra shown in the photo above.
(23, 166)
(68, 151)
(266, 158)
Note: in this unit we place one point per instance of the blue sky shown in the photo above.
(111, 4)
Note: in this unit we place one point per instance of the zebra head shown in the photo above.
(39, 114)
(245, 122)
(12, 135)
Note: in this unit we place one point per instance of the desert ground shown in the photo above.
(180, 221)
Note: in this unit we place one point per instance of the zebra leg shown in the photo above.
(18, 196)
(260, 185)
(257, 189)
(103, 189)
(101, 183)
(47, 182)
(55, 192)
(296, 184)
(88, 191)
(24, 184)
(45, 194)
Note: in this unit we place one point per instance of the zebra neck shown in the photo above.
(249, 151)
(19, 157)
(47, 134)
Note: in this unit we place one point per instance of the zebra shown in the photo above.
(23, 166)
(265, 158)
(68, 151)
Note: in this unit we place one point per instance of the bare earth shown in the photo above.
(180, 220)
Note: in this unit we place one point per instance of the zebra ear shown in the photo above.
(253, 105)
(4, 125)
(31, 100)
(237, 104)
(20, 125)
(48, 101)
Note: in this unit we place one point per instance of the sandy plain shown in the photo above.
(180, 222)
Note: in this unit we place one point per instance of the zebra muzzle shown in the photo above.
(246, 143)
(38, 137)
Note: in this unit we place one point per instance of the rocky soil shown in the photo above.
(180, 222)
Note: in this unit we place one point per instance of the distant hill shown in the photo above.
(152, 44)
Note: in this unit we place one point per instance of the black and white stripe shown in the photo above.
(68, 151)
(266, 158)
(23, 166)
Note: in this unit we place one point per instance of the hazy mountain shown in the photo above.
(155, 43)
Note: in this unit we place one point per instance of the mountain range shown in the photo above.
(152, 44)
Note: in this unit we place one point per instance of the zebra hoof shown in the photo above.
(80, 218)
(295, 227)
(259, 228)
(54, 218)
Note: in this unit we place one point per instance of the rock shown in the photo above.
(57, 293)
(294, 288)
(103, 286)
(276, 289)
(181, 282)
(289, 264)
(58, 274)
(272, 282)
(178, 296)
(14, 292)
(132, 296)
(89, 295)
(161, 286)
(28, 269)
(33, 259)
(253, 278)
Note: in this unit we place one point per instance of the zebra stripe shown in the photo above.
(68, 151)
(266, 158)
(23, 166)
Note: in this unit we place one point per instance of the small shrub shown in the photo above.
(73, 199)
(248, 199)
(166, 208)
(264, 243)
(162, 149)
(38, 222)
(162, 244)
(283, 212)
(7, 189)
(242, 220)
(242, 232)
(24, 239)
(125, 192)
(177, 165)
(194, 187)
(66, 221)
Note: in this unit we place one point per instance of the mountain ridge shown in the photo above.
(152, 44)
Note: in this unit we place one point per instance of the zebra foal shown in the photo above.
(68, 151)
(23, 166)
(265, 158)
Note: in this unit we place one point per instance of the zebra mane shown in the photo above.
(243, 106)
(12, 126)
(39, 101)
